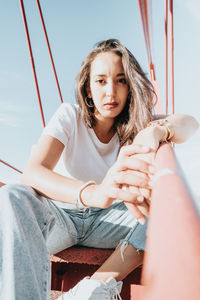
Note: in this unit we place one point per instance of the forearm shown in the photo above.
(184, 126)
(177, 129)
(51, 184)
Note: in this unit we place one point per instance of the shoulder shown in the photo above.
(68, 109)
(64, 122)
(67, 113)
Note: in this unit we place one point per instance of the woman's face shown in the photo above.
(108, 86)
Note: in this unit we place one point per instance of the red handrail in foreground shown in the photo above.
(171, 267)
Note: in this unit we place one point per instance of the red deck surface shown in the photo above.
(73, 264)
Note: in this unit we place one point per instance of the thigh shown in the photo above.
(40, 213)
(109, 226)
(63, 233)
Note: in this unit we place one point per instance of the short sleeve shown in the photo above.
(62, 124)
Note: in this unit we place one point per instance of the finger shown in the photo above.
(133, 163)
(152, 170)
(134, 189)
(133, 149)
(148, 157)
(132, 178)
(125, 195)
(134, 210)
(145, 192)
(148, 201)
(144, 208)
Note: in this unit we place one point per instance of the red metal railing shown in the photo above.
(171, 267)
(145, 11)
(10, 166)
(32, 58)
(32, 61)
(49, 49)
(145, 14)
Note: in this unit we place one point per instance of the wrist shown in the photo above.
(81, 202)
(165, 129)
(148, 137)
(161, 133)
(87, 194)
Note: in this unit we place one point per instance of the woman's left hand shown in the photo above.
(151, 137)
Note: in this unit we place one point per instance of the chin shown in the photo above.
(110, 115)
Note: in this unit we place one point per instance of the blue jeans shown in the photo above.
(32, 227)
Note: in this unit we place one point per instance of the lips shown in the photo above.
(110, 105)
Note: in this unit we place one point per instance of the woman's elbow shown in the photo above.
(196, 124)
(25, 177)
(29, 174)
(193, 125)
(187, 128)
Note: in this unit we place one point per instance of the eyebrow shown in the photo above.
(103, 75)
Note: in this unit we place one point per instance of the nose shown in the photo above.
(110, 89)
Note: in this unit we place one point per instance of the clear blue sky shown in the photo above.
(73, 28)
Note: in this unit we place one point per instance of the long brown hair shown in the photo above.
(137, 112)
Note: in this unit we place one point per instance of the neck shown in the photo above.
(104, 129)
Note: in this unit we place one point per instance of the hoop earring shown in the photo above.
(89, 102)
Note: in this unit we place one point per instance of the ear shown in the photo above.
(89, 94)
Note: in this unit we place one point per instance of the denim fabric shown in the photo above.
(33, 227)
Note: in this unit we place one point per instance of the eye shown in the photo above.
(122, 80)
(100, 81)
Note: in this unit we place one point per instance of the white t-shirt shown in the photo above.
(85, 157)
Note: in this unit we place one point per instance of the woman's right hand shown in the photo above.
(128, 171)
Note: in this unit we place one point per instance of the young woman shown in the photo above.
(108, 143)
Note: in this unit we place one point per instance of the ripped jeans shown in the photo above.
(32, 227)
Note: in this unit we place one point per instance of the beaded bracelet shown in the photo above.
(79, 204)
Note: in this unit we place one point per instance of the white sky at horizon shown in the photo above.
(73, 29)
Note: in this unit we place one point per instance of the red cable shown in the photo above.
(5, 163)
(143, 27)
(143, 9)
(172, 53)
(146, 13)
(49, 48)
(32, 60)
(166, 56)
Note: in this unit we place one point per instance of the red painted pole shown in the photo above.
(143, 9)
(49, 49)
(32, 61)
(144, 15)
